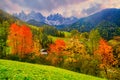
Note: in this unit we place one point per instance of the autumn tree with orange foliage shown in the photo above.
(26, 42)
(13, 38)
(55, 55)
(20, 40)
(105, 55)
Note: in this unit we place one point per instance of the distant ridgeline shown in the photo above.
(106, 21)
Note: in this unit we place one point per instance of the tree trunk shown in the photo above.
(106, 72)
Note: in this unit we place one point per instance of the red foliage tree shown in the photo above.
(25, 40)
(13, 38)
(57, 47)
(105, 55)
(55, 51)
(105, 51)
(20, 40)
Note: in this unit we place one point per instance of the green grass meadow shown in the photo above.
(13, 70)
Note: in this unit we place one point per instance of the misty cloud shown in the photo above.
(45, 4)
(93, 8)
(79, 8)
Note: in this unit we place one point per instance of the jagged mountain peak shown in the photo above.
(52, 19)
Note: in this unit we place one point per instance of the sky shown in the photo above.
(67, 8)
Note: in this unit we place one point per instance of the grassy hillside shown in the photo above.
(13, 70)
(55, 38)
(66, 38)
